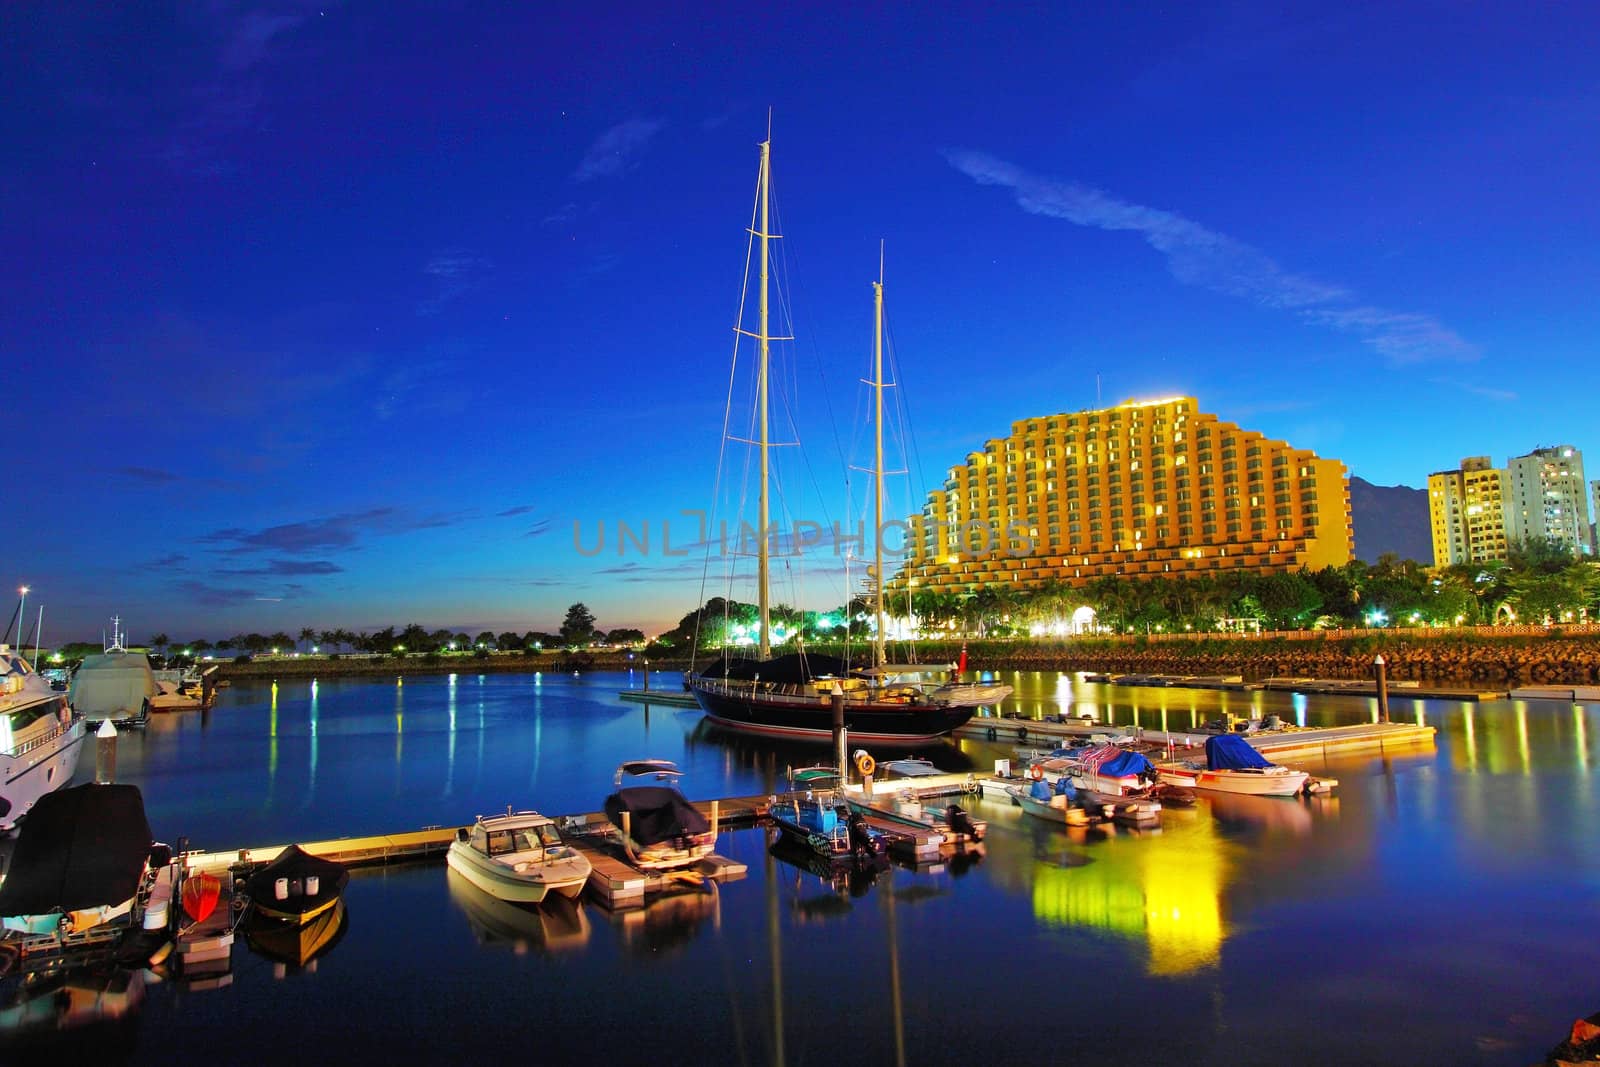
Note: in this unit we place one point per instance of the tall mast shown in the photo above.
(877, 466)
(764, 339)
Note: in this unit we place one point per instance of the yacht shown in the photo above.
(115, 686)
(40, 738)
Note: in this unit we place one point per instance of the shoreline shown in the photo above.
(1546, 660)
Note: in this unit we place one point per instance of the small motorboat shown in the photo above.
(1234, 766)
(297, 886)
(816, 815)
(199, 896)
(1052, 803)
(660, 829)
(518, 857)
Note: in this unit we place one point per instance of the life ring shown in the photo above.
(865, 763)
(1036, 772)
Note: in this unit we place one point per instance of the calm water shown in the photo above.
(1439, 908)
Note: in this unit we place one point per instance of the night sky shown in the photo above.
(342, 315)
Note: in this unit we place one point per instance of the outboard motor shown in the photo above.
(863, 842)
(959, 821)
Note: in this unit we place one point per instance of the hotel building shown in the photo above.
(1466, 510)
(1547, 498)
(1143, 489)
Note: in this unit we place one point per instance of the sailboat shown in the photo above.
(793, 696)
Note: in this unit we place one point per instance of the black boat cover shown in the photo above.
(1230, 752)
(83, 847)
(797, 668)
(656, 812)
(295, 864)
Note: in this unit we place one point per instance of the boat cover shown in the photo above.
(797, 668)
(295, 864)
(1040, 789)
(112, 685)
(657, 813)
(1230, 752)
(1125, 763)
(79, 848)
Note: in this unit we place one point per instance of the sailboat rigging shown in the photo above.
(792, 696)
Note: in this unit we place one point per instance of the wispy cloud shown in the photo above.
(539, 528)
(280, 568)
(1203, 257)
(520, 509)
(250, 38)
(453, 273)
(217, 595)
(562, 215)
(1487, 392)
(317, 535)
(615, 150)
(148, 474)
(167, 561)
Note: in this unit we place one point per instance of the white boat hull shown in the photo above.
(41, 769)
(1273, 782)
(535, 880)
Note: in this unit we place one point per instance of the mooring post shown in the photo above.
(647, 676)
(105, 754)
(839, 739)
(1383, 687)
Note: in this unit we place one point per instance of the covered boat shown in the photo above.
(660, 829)
(115, 685)
(1234, 766)
(79, 861)
(296, 887)
(297, 944)
(518, 857)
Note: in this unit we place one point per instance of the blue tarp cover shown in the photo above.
(1229, 752)
(1039, 790)
(1126, 763)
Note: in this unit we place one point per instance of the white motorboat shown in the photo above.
(518, 857)
(40, 738)
(1054, 807)
(1234, 766)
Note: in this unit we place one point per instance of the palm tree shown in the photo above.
(308, 635)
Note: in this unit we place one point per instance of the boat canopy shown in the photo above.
(656, 813)
(83, 847)
(796, 668)
(1126, 763)
(112, 685)
(1230, 752)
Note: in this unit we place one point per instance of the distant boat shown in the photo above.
(116, 685)
(40, 738)
(518, 857)
(791, 696)
(296, 887)
(659, 828)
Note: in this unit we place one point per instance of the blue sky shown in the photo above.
(344, 314)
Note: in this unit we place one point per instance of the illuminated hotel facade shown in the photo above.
(1467, 512)
(1139, 490)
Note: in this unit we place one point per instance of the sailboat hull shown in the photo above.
(803, 719)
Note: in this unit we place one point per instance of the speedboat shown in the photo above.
(1234, 766)
(518, 857)
(815, 815)
(40, 738)
(660, 830)
(296, 887)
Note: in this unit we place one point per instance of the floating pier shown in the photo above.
(1289, 743)
(1575, 694)
(663, 697)
(1312, 686)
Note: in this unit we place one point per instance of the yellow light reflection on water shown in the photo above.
(1471, 737)
(312, 785)
(272, 733)
(1166, 889)
(1581, 737)
(1522, 735)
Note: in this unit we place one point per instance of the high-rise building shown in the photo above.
(1142, 489)
(1467, 512)
(1546, 499)
(1594, 525)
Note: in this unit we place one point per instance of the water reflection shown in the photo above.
(1164, 889)
(668, 922)
(96, 1006)
(297, 946)
(557, 925)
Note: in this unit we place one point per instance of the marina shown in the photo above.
(1239, 870)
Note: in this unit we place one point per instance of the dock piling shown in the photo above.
(1383, 687)
(105, 753)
